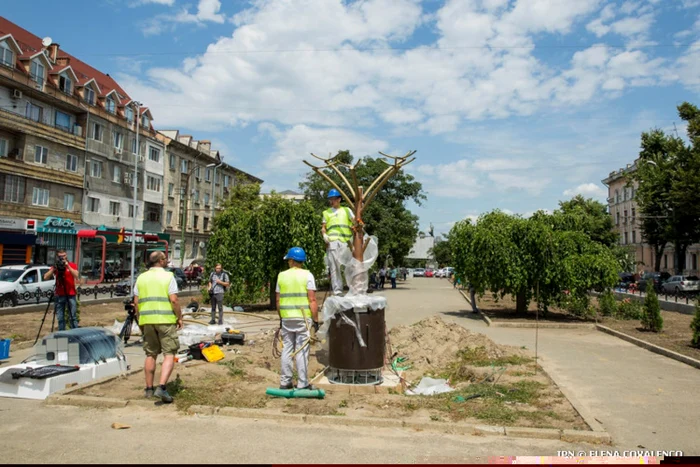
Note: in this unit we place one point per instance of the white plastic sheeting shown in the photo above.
(116, 328)
(429, 387)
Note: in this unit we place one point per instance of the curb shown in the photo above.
(650, 347)
(499, 324)
(486, 319)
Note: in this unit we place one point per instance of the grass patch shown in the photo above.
(463, 368)
(233, 368)
(214, 390)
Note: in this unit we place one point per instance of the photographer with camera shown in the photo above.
(66, 275)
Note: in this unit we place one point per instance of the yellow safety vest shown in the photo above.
(338, 224)
(154, 300)
(294, 298)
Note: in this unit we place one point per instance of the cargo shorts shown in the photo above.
(160, 338)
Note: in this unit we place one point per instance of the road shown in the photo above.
(641, 398)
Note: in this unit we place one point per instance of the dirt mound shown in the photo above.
(432, 344)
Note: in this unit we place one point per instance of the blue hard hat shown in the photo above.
(333, 193)
(297, 254)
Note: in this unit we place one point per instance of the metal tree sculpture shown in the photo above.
(360, 198)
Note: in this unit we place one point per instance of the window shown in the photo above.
(114, 208)
(93, 204)
(169, 217)
(118, 140)
(171, 189)
(40, 197)
(63, 120)
(89, 95)
(154, 155)
(179, 219)
(131, 210)
(129, 114)
(41, 154)
(96, 169)
(3, 147)
(37, 72)
(625, 242)
(218, 178)
(624, 194)
(634, 236)
(145, 122)
(7, 56)
(207, 175)
(632, 193)
(196, 196)
(634, 214)
(68, 200)
(227, 180)
(34, 112)
(173, 161)
(624, 219)
(197, 173)
(97, 130)
(617, 196)
(206, 223)
(183, 166)
(617, 218)
(206, 199)
(133, 146)
(153, 183)
(195, 222)
(71, 163)
(110, 106)
(153, 212)
(12, 188)
(117, 174)
(65, 85)
(32, 277)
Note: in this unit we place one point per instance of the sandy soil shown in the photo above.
(504, 309)
(676, 334)
(504, 377)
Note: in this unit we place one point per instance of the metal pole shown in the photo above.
(135, 181)
(213, 194)
(185, 196)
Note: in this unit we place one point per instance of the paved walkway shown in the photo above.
(641, 398)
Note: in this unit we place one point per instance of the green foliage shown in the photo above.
(607, 304)
(629, 309)
(442, 253)
(251, 236)
(386, 216)
(578, 306)
(588, 216)
(695, 326)
(531, 258)
(651, 318)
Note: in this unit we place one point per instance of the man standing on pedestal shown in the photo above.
(336, 230)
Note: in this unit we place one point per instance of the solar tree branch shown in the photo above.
(360, 198)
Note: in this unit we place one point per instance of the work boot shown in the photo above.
(287, 386)
(163, 394)
(309, 388)
(212, 322)
(148, 393)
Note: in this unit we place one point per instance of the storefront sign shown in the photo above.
(7, 223)
(59, 222)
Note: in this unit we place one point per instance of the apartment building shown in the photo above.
(196, 181)
(627, 223)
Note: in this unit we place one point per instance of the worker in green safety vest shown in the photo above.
(159, 317)
(298, 311)
(337, 232)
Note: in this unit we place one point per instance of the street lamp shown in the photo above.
(135, 181)
(213, 190)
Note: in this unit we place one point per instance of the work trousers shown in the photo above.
(333, 262)
(295, 333)
(61, 302)
(393, 282)
(217, 299)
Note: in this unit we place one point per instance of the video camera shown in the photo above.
(129, 306)
(61, 264)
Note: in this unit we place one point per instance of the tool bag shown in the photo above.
(230, 338)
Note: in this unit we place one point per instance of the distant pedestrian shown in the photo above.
(218, 282)
(159, 316)
(382, 277)
(392, 275)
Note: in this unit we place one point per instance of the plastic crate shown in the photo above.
(5, 349)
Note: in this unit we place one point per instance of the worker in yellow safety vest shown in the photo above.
(298, 311)
(159, 317)
(337, 231)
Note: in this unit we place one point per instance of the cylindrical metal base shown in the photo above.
(344, 349)
(357, 377)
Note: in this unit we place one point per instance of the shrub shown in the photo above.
(695, 326)
(629, 309)
(579, 306)
(607, 304)
(651, 318)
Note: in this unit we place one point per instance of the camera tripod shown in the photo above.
(59, 278)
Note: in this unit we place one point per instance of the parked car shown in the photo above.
(439, 273)
(123, 287)
(419, 272)
(626, 279)
(449, 271)
(657, 278)
(194, 272)
(677, 284)
(22, 282)
(429, 273)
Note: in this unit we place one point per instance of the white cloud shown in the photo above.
(591, 190)
(207, 10)
(157, 2)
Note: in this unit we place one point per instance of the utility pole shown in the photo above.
(135, 181)
(213, 193)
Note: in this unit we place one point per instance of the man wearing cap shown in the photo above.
(337, 231)
(298, 311)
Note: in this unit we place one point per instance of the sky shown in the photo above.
(510, 104)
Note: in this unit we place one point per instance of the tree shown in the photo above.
(588, 216)
(695, 326)
(387, 216)
(668, 173)
(651, 318)
(251, 236)
(442, 253)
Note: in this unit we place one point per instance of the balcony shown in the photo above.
(38, 172)
(43, 128)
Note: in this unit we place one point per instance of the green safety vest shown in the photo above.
(338, 224)
(294, 298)
(154, 300)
